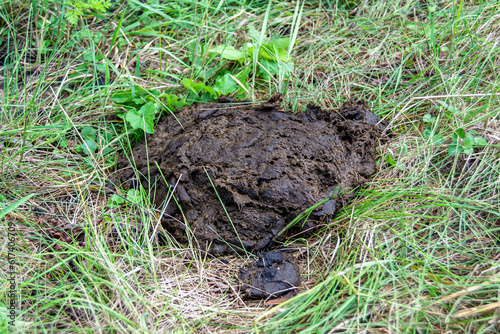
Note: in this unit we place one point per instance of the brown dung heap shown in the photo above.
(246, 171)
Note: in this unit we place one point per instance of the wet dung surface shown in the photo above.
(271, 276)
(245, 171)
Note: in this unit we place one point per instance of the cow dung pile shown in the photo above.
(240, 173)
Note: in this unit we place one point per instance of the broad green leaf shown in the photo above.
(254, 34)
(270, 53)
(460, 132)
(88, 132)
(122, 97)
(142, 118)
(282, 43)
(209, 90)
(88, 56)
(427, 132)
(174, 102)
(288, 68)
(480, 141)
(243, 75)
(269, 68)
(91, 146)
(225, 84)
(101, 68)
(190, 85)
(228, 52)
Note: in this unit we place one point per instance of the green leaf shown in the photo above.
(101, 68)
(460, 132)
(228, 52)
(209, 90)
(270, 53)
(254, 34)
(454, 149)
(480, 141)
(427, 132)
(448, 107)
(190, 85)
(225, 84)
(429, 119)
(468, 150)
(89, 56)
(134, 196)
(174, 102)
(243, 75)
(269, 68)
(390, 160)
(91, 146)
(468, 142)
(122, 97)
(88, 132)
(142, 118)
(115, 201)
(282, 43)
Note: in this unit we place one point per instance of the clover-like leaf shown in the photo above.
(115, 201)
(429, 119)
(134, 196)
(390, 159)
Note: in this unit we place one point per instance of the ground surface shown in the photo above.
(416, 249)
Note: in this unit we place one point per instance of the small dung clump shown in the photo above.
(274, 274)
(245, 171)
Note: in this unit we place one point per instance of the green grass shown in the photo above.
(416, 252)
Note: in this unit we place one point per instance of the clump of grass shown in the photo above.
(415, 252)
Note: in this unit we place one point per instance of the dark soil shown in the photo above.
(264, 164)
